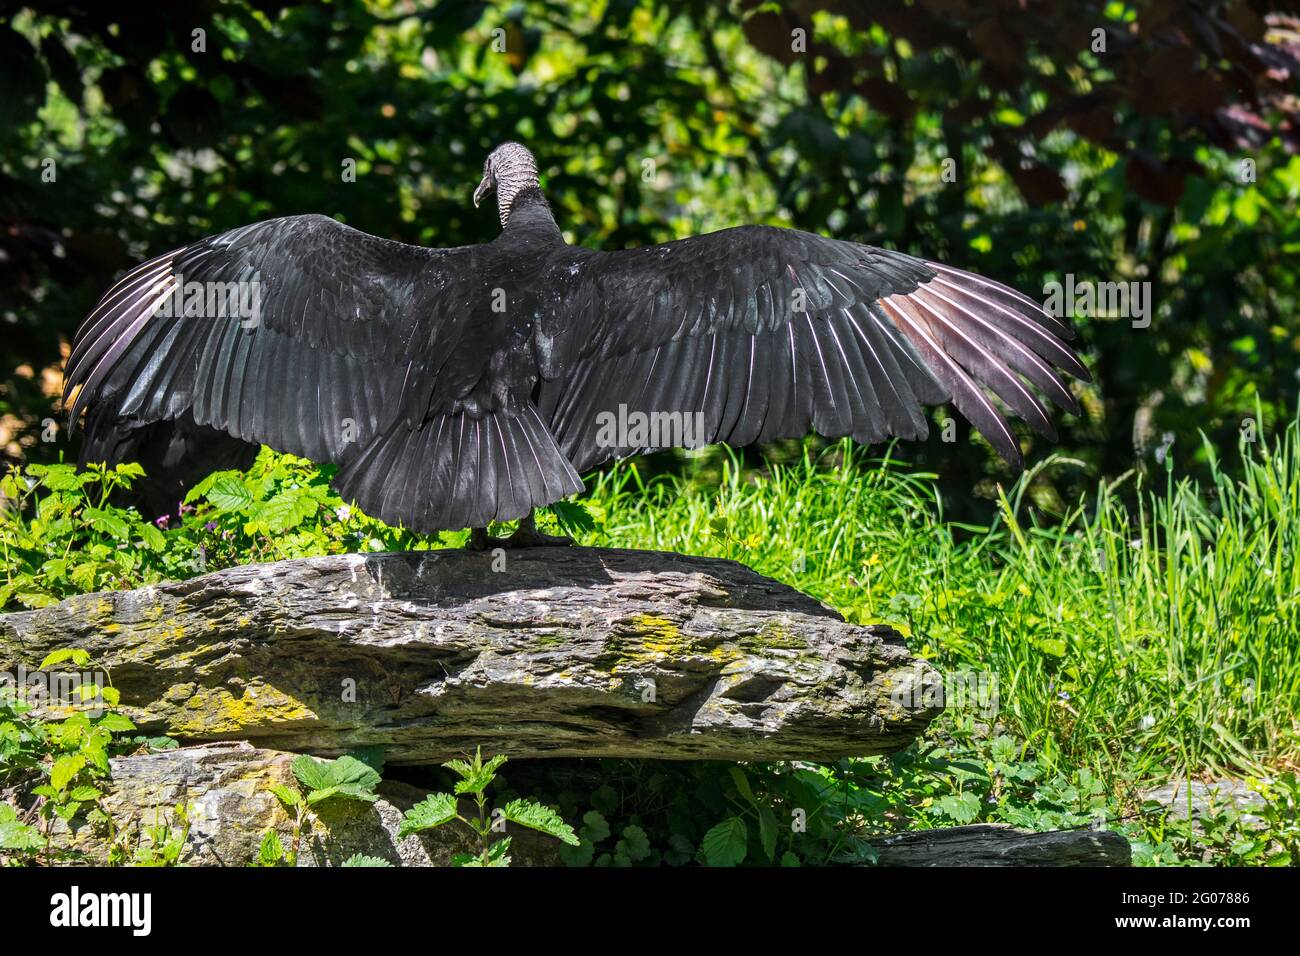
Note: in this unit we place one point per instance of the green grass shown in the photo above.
(1142, 640)
(1145, 633)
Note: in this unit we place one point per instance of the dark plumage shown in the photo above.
(458, 386)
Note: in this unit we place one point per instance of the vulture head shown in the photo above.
(508, 169)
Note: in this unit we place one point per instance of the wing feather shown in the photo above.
(766, 333)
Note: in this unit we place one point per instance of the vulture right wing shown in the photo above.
(764, 333)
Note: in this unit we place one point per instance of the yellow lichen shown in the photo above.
(658, 634)
(215, 710)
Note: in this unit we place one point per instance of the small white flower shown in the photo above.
(1147, 722)
(343, 512)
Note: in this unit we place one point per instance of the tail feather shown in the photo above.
(459, 471)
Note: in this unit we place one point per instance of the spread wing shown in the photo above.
(323, 341)
(765, 333)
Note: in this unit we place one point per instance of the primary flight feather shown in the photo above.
(454, 387)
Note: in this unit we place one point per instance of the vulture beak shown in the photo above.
(484, 187)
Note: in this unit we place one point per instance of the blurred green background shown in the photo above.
(1111, 141)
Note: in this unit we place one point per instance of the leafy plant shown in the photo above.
(1263, 834)
(63, 534)
(345, 778)
(475, 777)
(61, 765)
(162, 842)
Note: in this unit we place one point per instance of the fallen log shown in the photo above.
(999, 844)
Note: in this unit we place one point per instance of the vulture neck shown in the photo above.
(529, 214)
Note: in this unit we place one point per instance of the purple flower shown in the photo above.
(161, 520)
(210, 526)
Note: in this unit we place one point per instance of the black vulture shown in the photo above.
(455, 387)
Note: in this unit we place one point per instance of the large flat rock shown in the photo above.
(545, 652)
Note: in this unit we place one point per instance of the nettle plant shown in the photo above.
(63, 534)
(350, 777)
(58, 769)
(475, 777)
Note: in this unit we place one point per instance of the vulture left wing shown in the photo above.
(758, 333)
(356, 350)
(282, 333)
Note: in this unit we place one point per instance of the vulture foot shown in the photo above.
(527, 536)
(532, 538)
(480, 540)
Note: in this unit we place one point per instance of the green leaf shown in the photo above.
(272, 850)
(595, 828)
(742, 784)
(433, 811)
(960, 807)
(15, 835)
(286, 511)
(572, 517)
(105, 522)
(77, 655)
(153, 538)
(1053, 646)
(286, 795)
(359, 859)
(228, 493)
(727, 843)
(536, 816)
(115, 723)
(347, 777)
(65, 768)
(341, 792)
(476, 776)
(83, 576)
(680, 850)
(635, 845)
(497, 856)
(62, 477)
(605, 799)
(580, 855)
(372, 757)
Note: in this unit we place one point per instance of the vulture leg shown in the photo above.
(527, 536)
(480, 540)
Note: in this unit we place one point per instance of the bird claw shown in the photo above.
(532, 538)
(480, 540)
